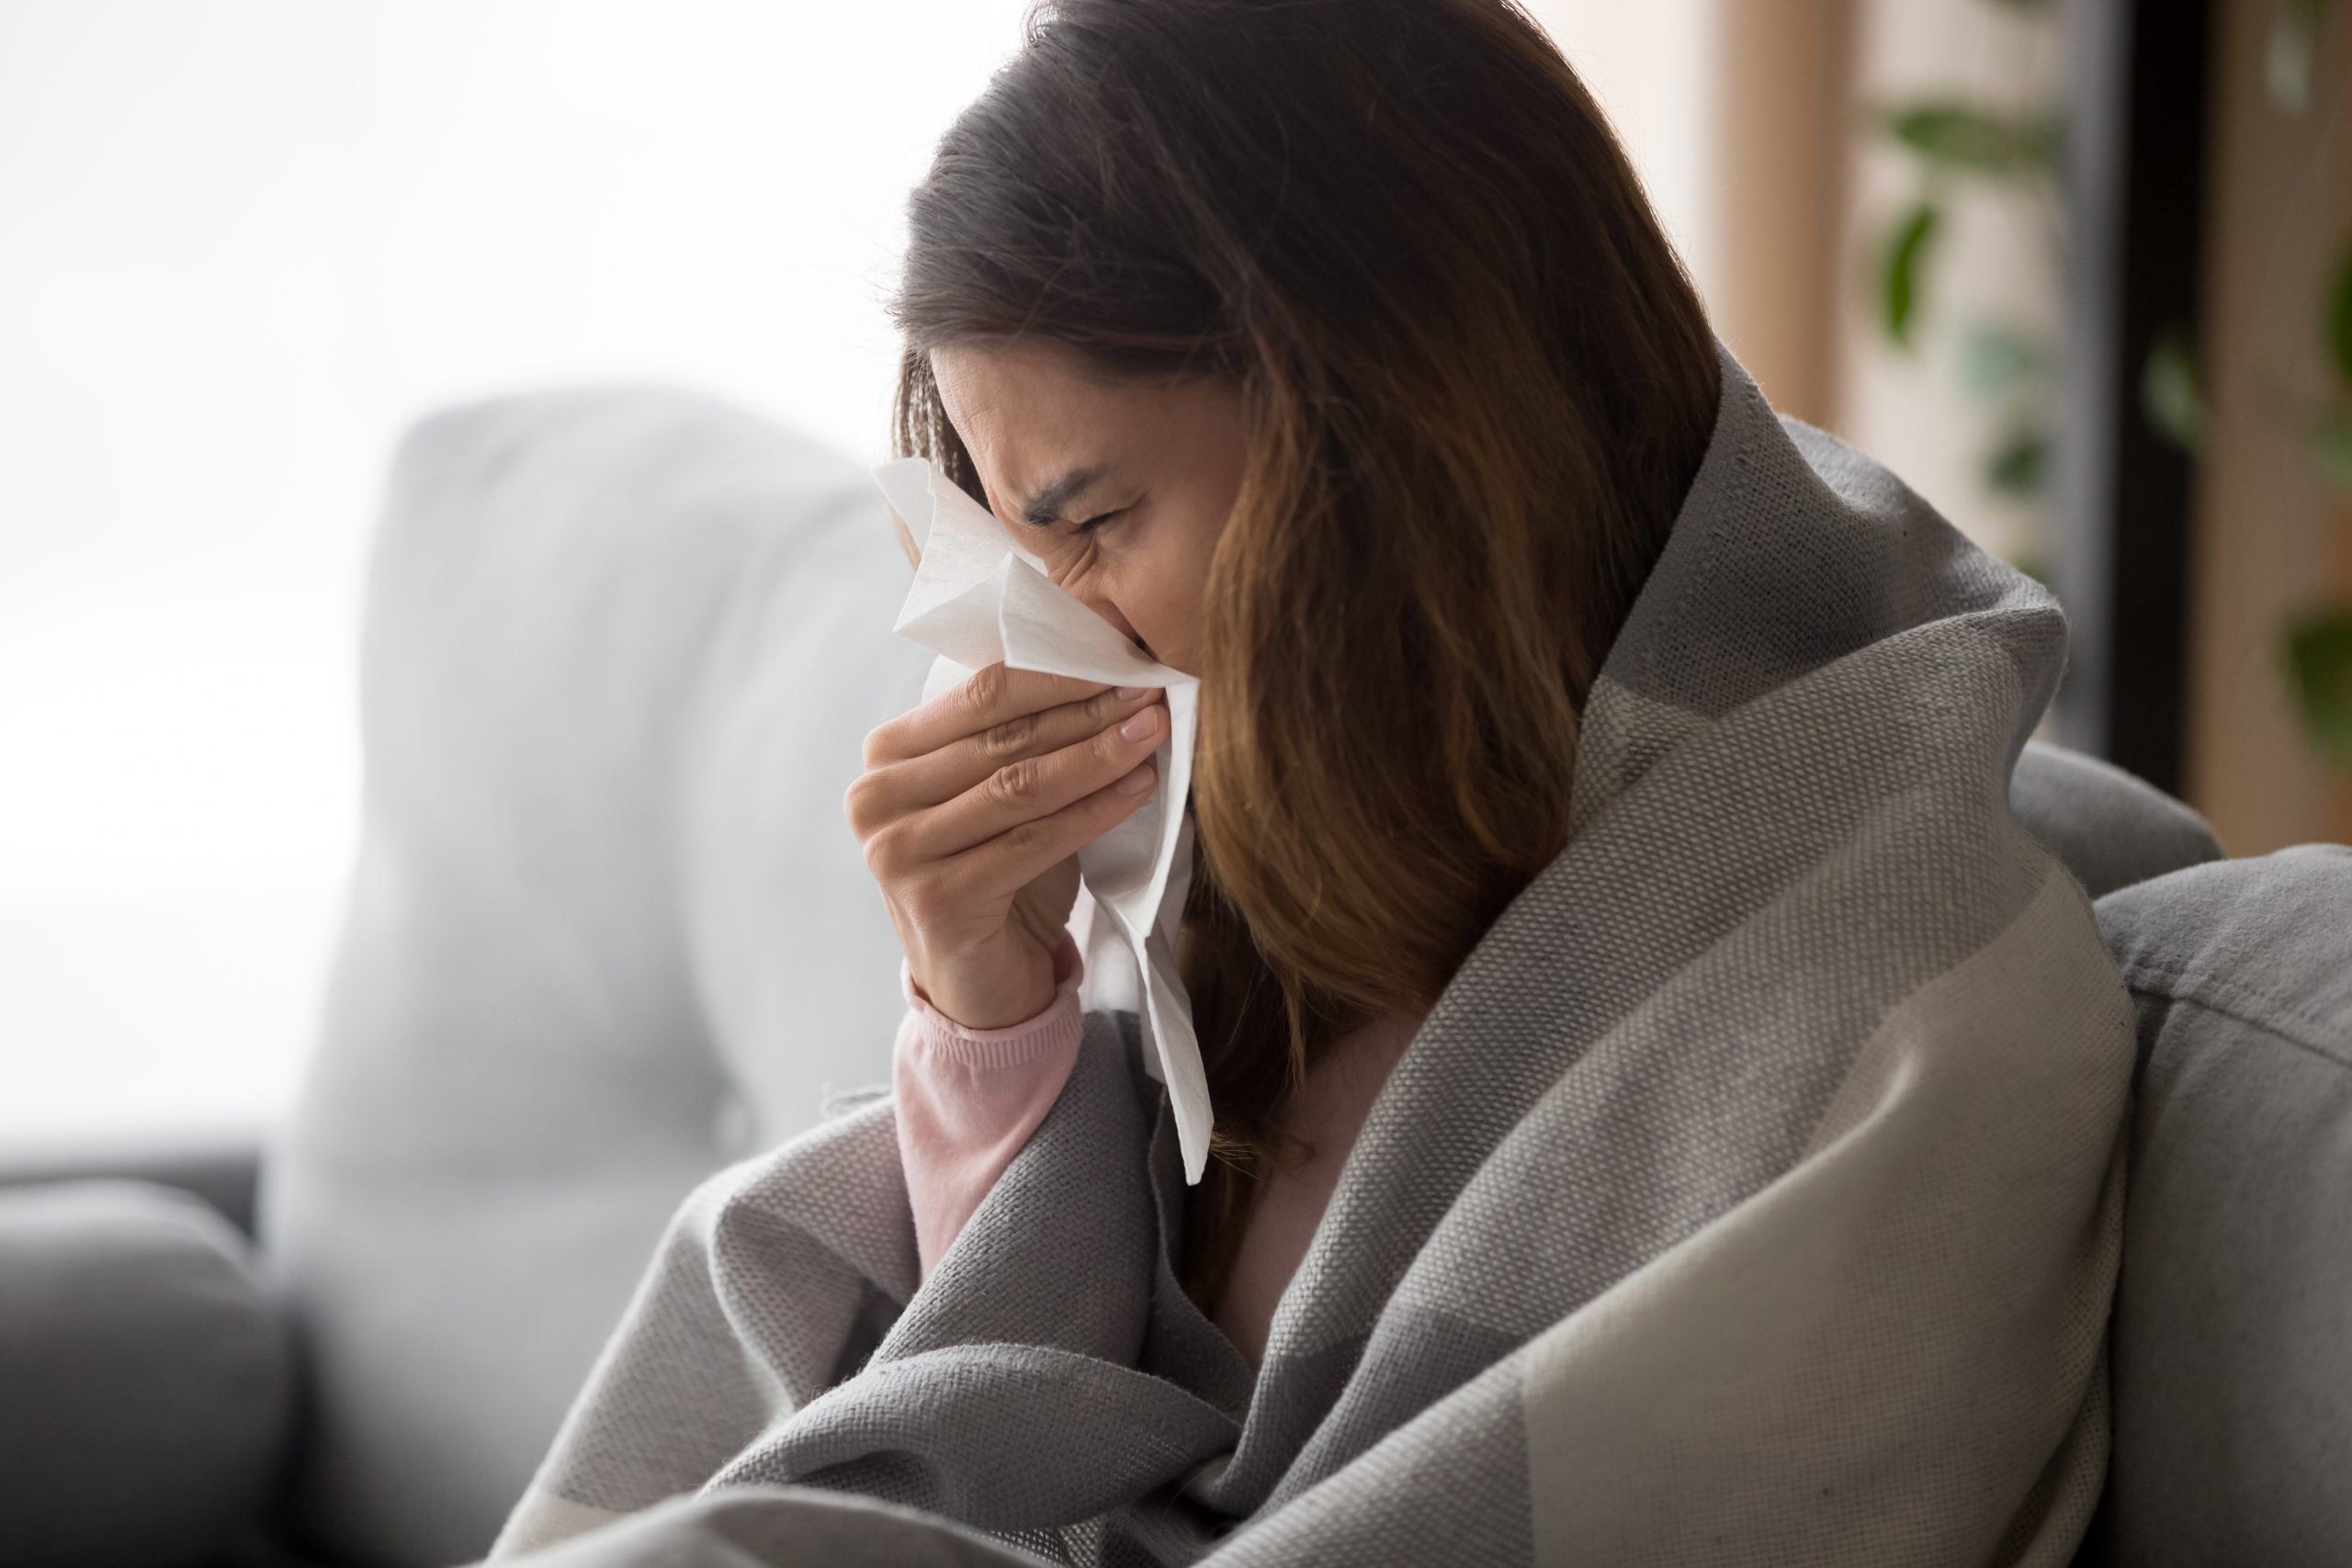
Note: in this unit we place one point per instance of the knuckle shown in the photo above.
(1015, 783)
(885, 853)
(985, 688)
(1012, 739)
(857, 801)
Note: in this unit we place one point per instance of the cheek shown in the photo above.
(1164, 595)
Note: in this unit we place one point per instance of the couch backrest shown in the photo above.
(2231, 1346)
(2110, 827)
(608, 931)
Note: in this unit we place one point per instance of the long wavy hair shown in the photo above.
(1477, 381)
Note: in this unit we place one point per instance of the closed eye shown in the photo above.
(1094, 523)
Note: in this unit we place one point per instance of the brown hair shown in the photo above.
(1479, 382)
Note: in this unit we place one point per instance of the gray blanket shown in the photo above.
(1753, 1193)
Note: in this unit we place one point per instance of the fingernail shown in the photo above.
(1127, 692)
(1143, 724)
(1137, 782)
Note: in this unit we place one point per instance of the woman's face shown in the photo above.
(1122, 488)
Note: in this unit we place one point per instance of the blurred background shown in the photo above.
(2079, 271)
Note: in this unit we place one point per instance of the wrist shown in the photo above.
(958, 1006)
(1068, 970)
(1053, 1027)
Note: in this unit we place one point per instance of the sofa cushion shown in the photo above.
(2231, 1340)
(608, 928)
(2110, 827)
(145, 1379)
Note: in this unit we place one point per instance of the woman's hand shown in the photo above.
(972, 810)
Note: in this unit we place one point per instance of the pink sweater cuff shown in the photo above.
(1055, 1025)
(967, 1099)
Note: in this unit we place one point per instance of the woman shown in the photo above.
(1667, 1109)
(1316, 324)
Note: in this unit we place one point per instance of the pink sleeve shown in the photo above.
(969, 1099)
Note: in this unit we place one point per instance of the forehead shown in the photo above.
(1023, 406)
(1036, 414)
(1000, 390)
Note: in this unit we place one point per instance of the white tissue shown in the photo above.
(979, 599)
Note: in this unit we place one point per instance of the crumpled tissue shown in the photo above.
(978, 599)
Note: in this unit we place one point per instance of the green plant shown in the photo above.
(2315, 646)
(2012, 371)
(2319, 643)
(2009, 369)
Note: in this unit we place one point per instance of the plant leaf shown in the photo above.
(1978, 141)
(2339, 315)
(2168, 395)
(2014, 468)
(1899, 278)
(2331, 446)
(2287, 57)
(1996, 359)
(2319, 666)
(2036, 565)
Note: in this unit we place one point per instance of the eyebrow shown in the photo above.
(1041, 509)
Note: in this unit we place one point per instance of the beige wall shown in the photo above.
(1740, 115)
(2268, 539)
(1784, 73)
(1993, 257)
(1734, 113)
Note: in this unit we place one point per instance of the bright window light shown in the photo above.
(242, 245)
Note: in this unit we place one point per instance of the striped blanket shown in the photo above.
(1753, 1193)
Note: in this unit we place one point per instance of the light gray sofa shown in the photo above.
(607, 931)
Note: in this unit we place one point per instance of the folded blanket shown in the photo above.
(1752, 1194)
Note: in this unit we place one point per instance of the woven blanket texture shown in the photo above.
(1753, 1194)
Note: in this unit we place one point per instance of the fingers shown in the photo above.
(1022, 791)
(1002, 866)
(960, 765)
(976, 793)
(991, 695)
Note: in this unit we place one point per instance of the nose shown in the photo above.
(1111, 612)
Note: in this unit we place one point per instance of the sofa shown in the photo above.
(606, 931)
